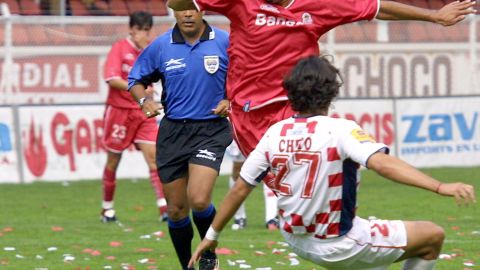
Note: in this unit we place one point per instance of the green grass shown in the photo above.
(30, 213)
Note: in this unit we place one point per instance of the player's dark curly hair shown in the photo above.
(312, 84)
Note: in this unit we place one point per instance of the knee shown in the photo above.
(435, 241)
(199, 203)
(437, 235)
(177, 212)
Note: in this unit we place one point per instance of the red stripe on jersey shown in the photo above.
(322, 218)
(287, 228)
(311, 228)
(335, 180)
(311, 127)
(285, 128)
(332, 154)
(336, 205)
(300, 120)
(333, 229)
(297, 220)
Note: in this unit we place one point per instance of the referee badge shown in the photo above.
(211, 63)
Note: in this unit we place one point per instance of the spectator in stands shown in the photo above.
(269, 36)
(240, 219)
(317, 184)
(124, 121)
(191, 61)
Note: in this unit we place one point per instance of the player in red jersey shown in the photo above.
(124, 121)
(269, 36)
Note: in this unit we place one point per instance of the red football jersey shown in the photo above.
(119, 62)
(267, 40)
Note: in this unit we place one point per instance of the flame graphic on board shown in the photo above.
(34, 150)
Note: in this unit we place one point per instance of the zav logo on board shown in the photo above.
(440, 127)
(56, 74)
(5, 140)
(35, 152)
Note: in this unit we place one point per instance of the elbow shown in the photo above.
(381, 164)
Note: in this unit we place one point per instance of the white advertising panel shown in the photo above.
(8, 156)
(54, 79)
(405, 71)
(65, 143)
(439, 131)
(375, 116)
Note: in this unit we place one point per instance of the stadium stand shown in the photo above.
(30, 7)
(125, 7)
(43, 35)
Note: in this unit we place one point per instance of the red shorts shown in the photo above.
(250, 126)
(122, 127)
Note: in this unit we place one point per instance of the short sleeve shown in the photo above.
(113, 64)
(146, 67)
(348, 11)
(257, 164)
(358, 145)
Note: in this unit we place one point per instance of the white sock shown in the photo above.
(270, 203)
(107, 205)
(419, 264)
(161, 202)
(241, 210)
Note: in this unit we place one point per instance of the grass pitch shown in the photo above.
(56, 226)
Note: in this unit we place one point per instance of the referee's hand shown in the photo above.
(151, 109)
(222, 108)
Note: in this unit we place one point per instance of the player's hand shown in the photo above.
(464, 194)
(222, 108)
(201, 248)
(151, 109)
(454, 12)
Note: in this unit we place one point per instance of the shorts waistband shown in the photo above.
(186, 120)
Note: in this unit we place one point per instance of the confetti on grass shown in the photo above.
(225, 251)
(57, 229)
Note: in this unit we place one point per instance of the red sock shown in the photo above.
(108, 185)
(157, 187)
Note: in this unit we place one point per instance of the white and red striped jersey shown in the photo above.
(316, 163)
(267, 40)
(119, 62)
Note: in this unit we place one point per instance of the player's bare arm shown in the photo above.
(222, 108)
(180, 5)
(232, 201)
(119, 84)
(400, 171)
(450, 14)
(149, 107)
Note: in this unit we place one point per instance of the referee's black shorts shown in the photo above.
(180, 142)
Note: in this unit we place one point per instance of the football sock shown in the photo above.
(270, 203)
(241, 210)
(419, 264)
(158, 188)
(108, 185)
(181, 233)
(203, 219)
